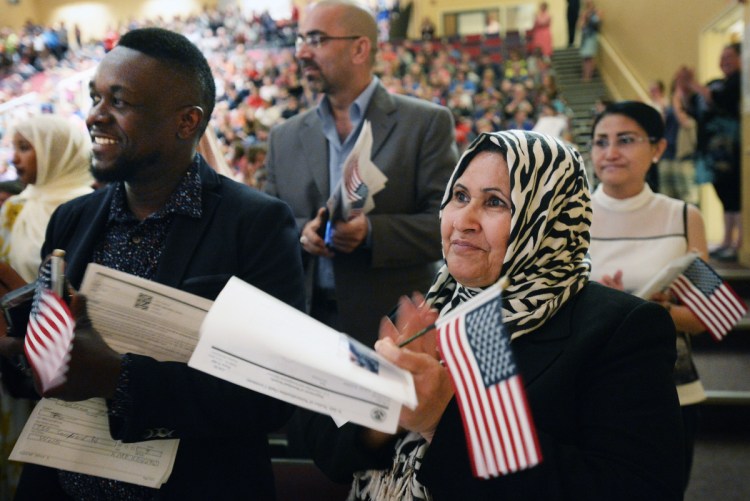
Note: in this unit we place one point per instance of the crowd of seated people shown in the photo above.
(258, 80)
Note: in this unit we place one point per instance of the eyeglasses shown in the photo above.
(315, 39)
(624, 141)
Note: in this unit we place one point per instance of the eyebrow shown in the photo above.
(483, 190)
(623, 133)
(112, 88)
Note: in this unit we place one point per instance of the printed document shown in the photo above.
(133, 315)
(254, 340)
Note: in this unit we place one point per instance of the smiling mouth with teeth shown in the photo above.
(104, 140)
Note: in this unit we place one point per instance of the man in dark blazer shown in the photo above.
(167, 216)
(391, 251)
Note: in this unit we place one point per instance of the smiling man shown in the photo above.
(168, 217)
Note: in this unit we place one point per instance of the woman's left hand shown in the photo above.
(432, 383)
(413, 316)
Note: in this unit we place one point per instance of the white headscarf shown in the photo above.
(63, 156)
(547, 257)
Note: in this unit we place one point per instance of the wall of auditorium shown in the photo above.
(14, 15)
(95, 17)
(437, 9)
(643, 40)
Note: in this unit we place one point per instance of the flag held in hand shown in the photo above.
(49, 334)
(710, 298)
(475, 347)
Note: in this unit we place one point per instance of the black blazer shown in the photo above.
(598, 376)
(223, 451)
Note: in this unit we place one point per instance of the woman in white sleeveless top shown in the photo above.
(636, 232)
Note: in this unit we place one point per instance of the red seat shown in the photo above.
(472, 39)
(473, 50)
(492, 41)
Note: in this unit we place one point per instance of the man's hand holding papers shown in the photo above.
(132, 315)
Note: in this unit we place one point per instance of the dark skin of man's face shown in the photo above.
(135, 118)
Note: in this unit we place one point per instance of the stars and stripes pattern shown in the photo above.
(710, 298)
(476, 349)
(356, 190)
(49, 334)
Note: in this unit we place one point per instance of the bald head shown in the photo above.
(355, 16)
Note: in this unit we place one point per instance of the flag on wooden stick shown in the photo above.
(476, 349)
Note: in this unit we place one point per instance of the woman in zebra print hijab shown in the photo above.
(596, 363)
(517, 206)
(546, 256)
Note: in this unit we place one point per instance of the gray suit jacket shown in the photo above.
(413, 144)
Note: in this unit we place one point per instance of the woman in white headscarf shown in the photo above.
(52, 157)
(596, 363)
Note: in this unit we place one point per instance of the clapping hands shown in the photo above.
(421, 358)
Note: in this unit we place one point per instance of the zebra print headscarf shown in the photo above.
(547, 256)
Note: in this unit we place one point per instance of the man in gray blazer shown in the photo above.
(391, 251)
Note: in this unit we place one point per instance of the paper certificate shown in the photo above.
(133, 315)
(256, 341)
(74, 436)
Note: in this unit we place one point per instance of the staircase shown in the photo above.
(579, 96)
(724, 367)
(722, 449)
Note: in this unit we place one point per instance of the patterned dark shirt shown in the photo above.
(134, 247)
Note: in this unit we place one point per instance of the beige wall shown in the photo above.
(16, 15)
(435, 9)
(94, 17)
(652, 38)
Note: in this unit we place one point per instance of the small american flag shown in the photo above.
(710, 298)
(49, 334)
(356, 190)
(476, 350)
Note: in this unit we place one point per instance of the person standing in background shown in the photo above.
(719, 141)
(677, 165)
(427, 29)
(541, 34)
(574, 6)
(377, 257)
(52, 158)
(590, 23)
(635, 233)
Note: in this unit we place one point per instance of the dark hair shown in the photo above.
(646, 116)
(176, 51)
